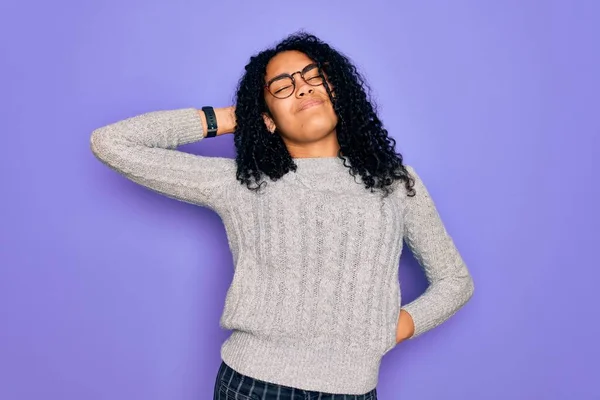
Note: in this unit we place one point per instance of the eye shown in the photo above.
(282, 89)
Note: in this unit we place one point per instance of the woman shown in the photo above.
(316, 206)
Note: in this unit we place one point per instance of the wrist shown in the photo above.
(225, 120)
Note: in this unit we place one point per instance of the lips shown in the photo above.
(309, 103)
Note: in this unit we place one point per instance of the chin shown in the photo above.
(312, 132)
(319, 126)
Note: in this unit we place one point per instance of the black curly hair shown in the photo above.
(360, 133)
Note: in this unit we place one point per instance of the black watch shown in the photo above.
(211, 121)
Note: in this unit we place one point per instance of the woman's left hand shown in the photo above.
(405, 328)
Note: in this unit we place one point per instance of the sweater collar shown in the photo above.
(325, 173)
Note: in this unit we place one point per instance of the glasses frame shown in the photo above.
(304, 70)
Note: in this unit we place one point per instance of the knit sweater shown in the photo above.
(315, 297)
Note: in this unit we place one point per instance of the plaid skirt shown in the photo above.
(231, 385)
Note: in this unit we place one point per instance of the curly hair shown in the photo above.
(360, 133)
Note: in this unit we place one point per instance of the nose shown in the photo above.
(304, 90)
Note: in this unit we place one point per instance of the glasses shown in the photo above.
(282, 86)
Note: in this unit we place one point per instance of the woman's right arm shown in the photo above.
(143, 149)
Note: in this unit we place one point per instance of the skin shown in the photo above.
(405, 327)
(306, 132)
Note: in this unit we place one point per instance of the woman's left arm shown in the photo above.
(450, 283)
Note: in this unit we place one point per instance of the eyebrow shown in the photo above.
(285, 74)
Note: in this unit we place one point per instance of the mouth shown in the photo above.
(309, 104)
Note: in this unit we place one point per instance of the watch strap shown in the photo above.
(211, 121)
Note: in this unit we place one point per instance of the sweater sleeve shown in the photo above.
(143, 149)
(450, 284)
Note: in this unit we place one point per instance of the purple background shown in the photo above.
(110, 291)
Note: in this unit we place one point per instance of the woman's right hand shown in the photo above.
(225, 120)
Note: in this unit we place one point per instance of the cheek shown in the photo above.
(331, 87)
(328, 83)
(281, 111)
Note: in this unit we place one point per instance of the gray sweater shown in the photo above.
(315, 298)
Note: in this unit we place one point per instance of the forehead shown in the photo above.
(287, 62)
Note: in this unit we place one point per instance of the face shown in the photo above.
(307, 114)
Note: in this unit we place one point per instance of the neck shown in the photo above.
(327, 147)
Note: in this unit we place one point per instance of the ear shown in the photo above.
(269, 123)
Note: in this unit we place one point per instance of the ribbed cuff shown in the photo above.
(187, 125)
(423, 322)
